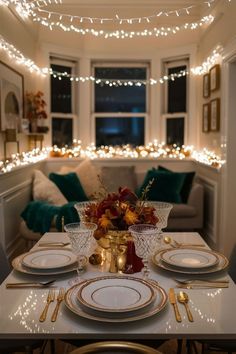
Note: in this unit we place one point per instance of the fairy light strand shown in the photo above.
(153, 150)
(19, 58)
(123, 34)
(39, 9)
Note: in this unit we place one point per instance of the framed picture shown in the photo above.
(206, 85)
(12, 96)
(206, 117)
(215, 115)
(215, 78)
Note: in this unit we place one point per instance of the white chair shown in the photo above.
(112, 347)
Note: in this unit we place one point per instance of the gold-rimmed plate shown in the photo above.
(72, 303)
(190, 258)
(48, 258)
(20, 267)
(116, 294)
(221, 265)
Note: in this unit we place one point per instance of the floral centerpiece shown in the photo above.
(35, 109)
(117, 211)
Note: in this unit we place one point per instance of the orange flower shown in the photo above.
(130, 217)
(104, 222)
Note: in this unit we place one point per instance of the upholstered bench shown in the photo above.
(185, 215)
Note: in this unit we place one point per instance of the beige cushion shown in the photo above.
(115, 177)
(182, 211)
(46, 191)
(88, 176)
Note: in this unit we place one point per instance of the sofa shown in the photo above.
(63, 186)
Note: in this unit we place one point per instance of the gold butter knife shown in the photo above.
(50, 298)
(173, 302)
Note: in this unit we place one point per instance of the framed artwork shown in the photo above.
(206, 85)
(12, 96)
(215, 78)
(206, 117)
(215, 115)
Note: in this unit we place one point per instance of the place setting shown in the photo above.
(190, 260)
(116, 298)
(46, 261)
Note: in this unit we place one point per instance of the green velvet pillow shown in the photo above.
(70, 186)
(187, 185)
(166, 186)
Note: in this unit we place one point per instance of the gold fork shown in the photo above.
(50, 298)
(60, 298)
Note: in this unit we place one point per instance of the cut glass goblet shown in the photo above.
(145, 238)
(82, 243)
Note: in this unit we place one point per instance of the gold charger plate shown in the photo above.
(72, 303)
(222, 264)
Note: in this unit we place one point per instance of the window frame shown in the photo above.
(167, 64)
(73, 64)
(97, 115)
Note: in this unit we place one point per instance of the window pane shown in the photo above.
(119, 131)
(175, 131)
(62, 129)
(61, 91)
(177, 91)
(120, 98)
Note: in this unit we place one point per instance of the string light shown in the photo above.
(37, 9)
(209, 62)
(117, 82)
(19, 58)
(153, 150)
(123, 34)
(32, 67)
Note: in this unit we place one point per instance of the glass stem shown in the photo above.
(145, 270)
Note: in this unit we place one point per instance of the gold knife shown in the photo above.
(172, 300)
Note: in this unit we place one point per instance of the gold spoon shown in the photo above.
(183, 299)
(168, 241)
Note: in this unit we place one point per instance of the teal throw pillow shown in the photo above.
(187, 185)
(166, 187)
(70, 186)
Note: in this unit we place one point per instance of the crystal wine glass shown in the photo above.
(144, 236)
(82, 243)
(81, 209)
(162, 211)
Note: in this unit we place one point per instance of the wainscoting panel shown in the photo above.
(12, 203)
(210, 208)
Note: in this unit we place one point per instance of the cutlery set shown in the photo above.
(50, 298)
(182, 298)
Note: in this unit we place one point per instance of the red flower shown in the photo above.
(117, 211)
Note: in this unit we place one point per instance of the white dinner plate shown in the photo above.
(189, 258)
(20, 267)
(72, 303)
(222, 264)
(116, 294)
(49, 259)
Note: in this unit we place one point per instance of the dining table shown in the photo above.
(213, 309)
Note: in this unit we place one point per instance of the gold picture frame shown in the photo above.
(215, 115)
(206, 86)
(12, 97)
(215, 78)
(206, 117)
